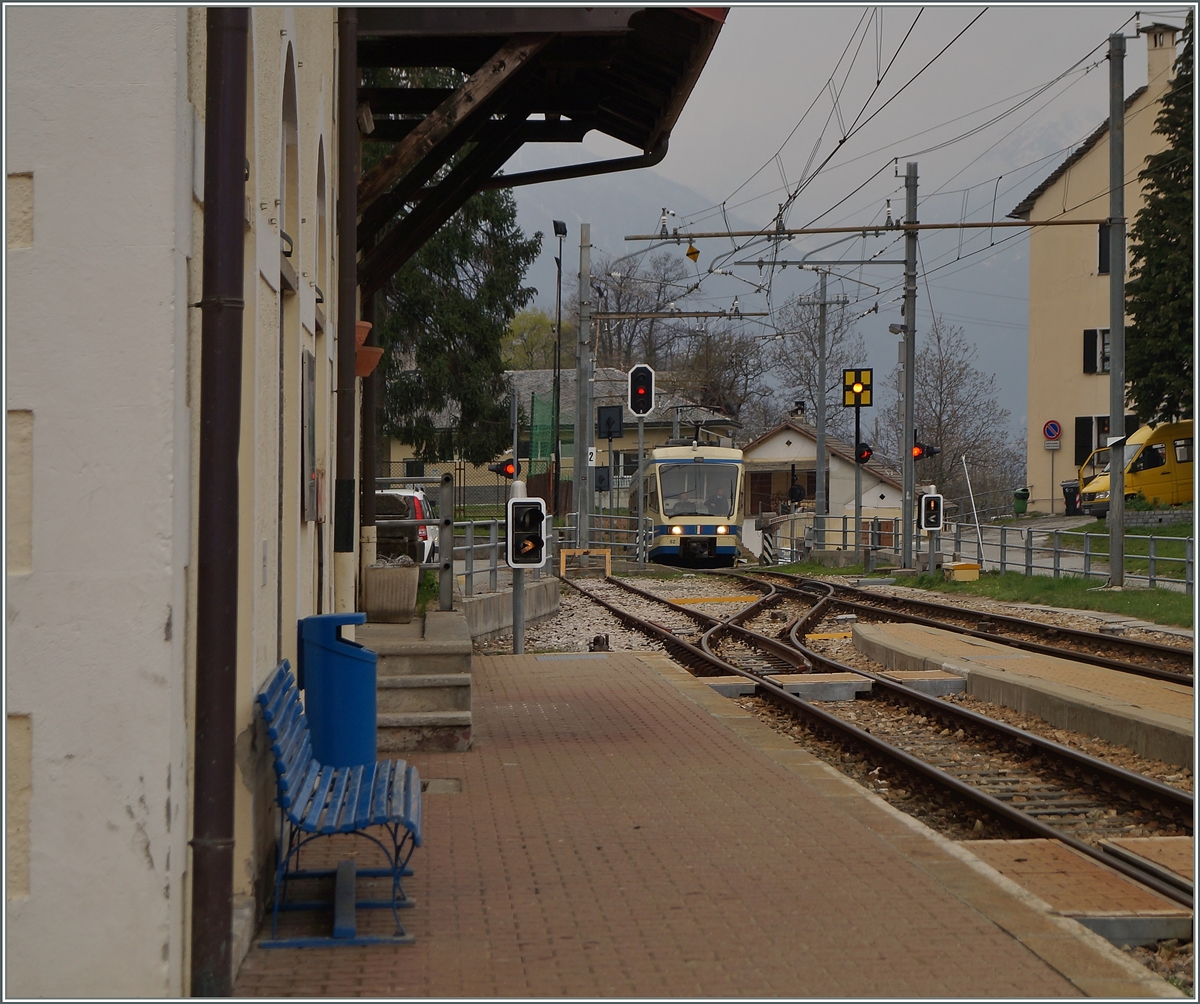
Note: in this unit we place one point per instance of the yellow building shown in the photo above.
(1069, 287)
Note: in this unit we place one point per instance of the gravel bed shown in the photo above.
(1173, 961)
(843, 651)
(1102, 749)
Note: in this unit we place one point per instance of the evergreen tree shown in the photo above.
(443, 317)
(1158, 348)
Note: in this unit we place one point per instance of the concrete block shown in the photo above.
(730, 686)
(935, 683)
(824, 686)
(490, 614)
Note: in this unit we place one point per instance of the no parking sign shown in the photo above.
(1052, 430)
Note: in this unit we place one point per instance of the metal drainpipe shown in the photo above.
(367, 471)
(347, 308)
(221, 306)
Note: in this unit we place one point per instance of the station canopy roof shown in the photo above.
(522, 74)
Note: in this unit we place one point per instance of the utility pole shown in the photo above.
(821, 503)
(1116, 309)
(910, 363)
(560, 231)
(583, 484)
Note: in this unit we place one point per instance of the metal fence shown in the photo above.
(1153, 560)
(1167, 561)
(616, 532)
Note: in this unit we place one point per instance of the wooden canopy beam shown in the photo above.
(464, 180)
(465, 103)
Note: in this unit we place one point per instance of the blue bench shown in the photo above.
(319, 801)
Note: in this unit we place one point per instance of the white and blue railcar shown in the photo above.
(693, 494)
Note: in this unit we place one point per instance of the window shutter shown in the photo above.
(1132, 424)
(1089, 351)
(1083, 439)
(1105, 249)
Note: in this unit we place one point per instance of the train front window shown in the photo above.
(692, 489)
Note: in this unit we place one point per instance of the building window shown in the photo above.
(1105, 249)
(1096, 350)
(1083, 438)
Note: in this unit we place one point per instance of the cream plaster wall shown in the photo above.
(106, 119)
(1067, 294)
(96, 344)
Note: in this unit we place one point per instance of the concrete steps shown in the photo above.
(423, 682)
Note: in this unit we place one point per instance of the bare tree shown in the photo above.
(627, 288)
(956, 409)
(796, 356)
(720, 369)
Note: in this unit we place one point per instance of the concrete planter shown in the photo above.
(390, 592)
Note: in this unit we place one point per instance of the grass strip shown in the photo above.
(1159, 606)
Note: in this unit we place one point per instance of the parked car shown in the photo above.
(419, 543)
(1158, 463)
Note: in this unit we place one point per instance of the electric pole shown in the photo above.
(1116, 310)
(583, 389)
(910, 363)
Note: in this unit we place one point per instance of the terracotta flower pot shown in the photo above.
(366, 358)
(361, 330)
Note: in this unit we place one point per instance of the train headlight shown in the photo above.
(722, 529)
(677, 529)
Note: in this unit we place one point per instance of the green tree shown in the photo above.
(1158, 348)
(529, 342)
(443, 318)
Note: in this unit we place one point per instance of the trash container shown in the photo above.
(338, 679)
(1020, 501)
(1070, 490)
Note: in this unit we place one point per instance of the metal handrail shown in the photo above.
(445, 525)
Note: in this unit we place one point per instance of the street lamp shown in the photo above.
(560, 231)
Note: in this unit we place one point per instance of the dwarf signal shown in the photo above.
(930, 512)
(526, 539)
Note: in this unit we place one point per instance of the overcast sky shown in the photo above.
(763, 116)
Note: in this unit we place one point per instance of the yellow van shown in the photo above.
(1158, 463)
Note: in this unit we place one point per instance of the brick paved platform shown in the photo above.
(624, 831)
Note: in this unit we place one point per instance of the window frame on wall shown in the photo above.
(1097, 351)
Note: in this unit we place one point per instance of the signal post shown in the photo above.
(641, 403)
(856, 393)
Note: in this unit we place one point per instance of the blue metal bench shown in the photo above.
(318, 801)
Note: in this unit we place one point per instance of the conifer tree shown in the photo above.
(1158, 348)
(443, 318)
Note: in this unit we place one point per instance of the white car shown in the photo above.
(405, 503)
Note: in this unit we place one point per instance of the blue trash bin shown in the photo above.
(338, 679)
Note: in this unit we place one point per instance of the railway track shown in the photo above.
(1031, 784)
(1142, 658)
